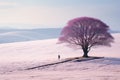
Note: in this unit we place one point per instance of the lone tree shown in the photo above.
(86, 32)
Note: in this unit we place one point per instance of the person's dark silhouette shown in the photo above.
(58, 57)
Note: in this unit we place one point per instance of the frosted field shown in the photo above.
(15, 57)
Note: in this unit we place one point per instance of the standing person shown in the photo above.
(58, 57)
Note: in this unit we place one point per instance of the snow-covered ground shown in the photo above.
(15, 57)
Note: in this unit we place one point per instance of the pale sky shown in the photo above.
(56, 13)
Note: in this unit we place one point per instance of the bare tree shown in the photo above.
(86, 32)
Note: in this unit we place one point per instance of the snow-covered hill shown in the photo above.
(19, 35)
(14, 57)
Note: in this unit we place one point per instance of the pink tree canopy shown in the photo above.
(86, 32)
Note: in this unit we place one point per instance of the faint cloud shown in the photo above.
(7, 4)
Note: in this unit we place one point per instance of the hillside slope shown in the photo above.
(20, 35)
(15, 58)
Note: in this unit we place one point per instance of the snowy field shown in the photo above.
(18, 56)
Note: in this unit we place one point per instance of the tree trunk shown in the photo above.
(85, 50)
